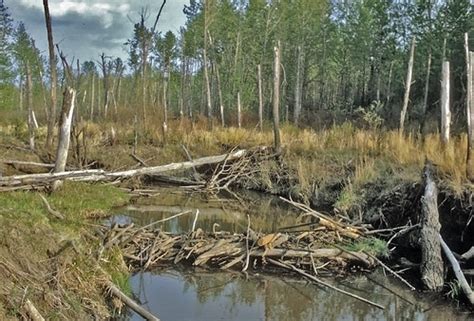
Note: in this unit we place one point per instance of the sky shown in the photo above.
(86, 28)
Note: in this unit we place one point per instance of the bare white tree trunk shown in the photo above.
(276, 99)
(406, 98)
(239, 111)
(298, 86)
(67, 112)
(260, 97)
(205, 62)
(469, 79)
(92, 97)
(445, 99)
(31, 118)
(425, 97)
(470, 117)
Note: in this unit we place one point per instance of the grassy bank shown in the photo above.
(53, 262)
(342, 167)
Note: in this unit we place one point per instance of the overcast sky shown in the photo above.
(86, 28)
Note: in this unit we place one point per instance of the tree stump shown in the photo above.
(431, 260)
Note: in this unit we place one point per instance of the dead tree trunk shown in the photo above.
(406, 98)
(260, 97)
(470, 117)
(431, 260)
(469, 79)
(445, 109)
(389, 85)
(92, 97)
(427, 89)
(205, 62)
(219, 92)
(276, 100)
(297, 110)
(239, 111)
(31, 118)
(65, 122)
(53, 74)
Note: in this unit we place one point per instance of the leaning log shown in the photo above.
(466, 288)
(431, 259)
(103, 176)
(131, 303)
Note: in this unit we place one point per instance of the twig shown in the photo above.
(50, 209)
(315, 279)
(163, 220)
(398, 276)
(130, 302)
(247, 259)
(195, 220)
(138, 159)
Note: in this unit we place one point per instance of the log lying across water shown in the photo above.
(20, 181)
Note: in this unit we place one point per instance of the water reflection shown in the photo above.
(267, 213)
(199, 295)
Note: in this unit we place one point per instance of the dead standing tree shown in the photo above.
(276, 99)
(65, 123)
(470, 117)
(53, 75)
(445, 100)
(406, 98)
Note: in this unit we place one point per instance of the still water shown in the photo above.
(191, 294)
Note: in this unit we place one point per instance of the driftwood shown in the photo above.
(130, 303)
(469, 254)
(100, 175)
(431, 259)
(457, 271)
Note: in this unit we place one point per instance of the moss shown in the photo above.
(371, 245)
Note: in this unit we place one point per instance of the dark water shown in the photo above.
(266, 213)
(183, 295)
(200, 296)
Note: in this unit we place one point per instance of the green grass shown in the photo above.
(371, 245)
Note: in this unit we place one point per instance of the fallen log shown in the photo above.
(23, 163)
(103, 176)
(466, 288)
(130, 303)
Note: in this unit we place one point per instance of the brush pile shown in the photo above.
(322, 247)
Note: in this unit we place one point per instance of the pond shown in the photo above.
(197, 294)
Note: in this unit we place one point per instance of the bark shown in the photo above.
(260, 97)
(389, 85)
(445, 102)
(31, 118)
(431, 260)
(67, 112)
(406, 98)
(470, 93)
(53, 74)
(276, 100)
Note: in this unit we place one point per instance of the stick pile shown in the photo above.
(145, 248)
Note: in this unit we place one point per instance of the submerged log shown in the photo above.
(431, 259)
(100, 175)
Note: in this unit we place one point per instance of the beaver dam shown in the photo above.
(201, 270)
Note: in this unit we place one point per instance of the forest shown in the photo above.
(356, 113)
